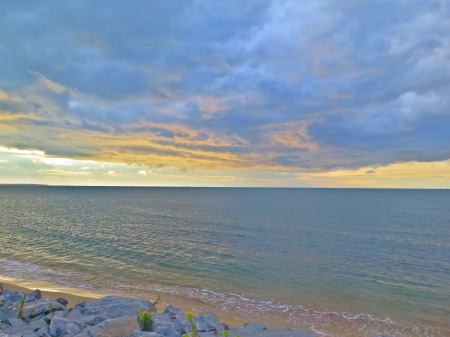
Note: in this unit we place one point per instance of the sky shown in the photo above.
(288, 93)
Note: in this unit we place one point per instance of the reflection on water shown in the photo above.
(343, 262)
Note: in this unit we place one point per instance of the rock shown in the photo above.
(15, 322)
(177, 314)
(43, 331)
(11, 297)
(35, 295)
(225, 327)
(5, 314)
(2, 301)
(254, 326)
(62, 301)
(1, 287)
(139, 333)
(112, 307)
(28, 329)
(39, 307)
(164, 325)
(61, 326)
(271, 333)
(211, 334)
(91, 313)
(36, 318)
(116, 327)
(207, 322)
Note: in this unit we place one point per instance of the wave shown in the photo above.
(240, 307)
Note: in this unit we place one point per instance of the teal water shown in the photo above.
(344, 262)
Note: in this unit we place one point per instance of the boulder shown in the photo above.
(116, 327)
(59, 325)
(5, 314)
(40, 307)
(271, 333)
(208, 322)
(33, 296)
(28, 329)
(139, 333)
(91, 313)
(11, 297)
(164, 325)
(2, 301)
(177, 314)
(254, 326)
(15, 322)
(211, 334)
(225, 327)
(62, 301)
(112, 307)
(1, 287)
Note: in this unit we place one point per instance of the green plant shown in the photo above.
(20, 315)
(225, 333)
(145, 319)
(157, 300)
(190, 317)
(186, 335)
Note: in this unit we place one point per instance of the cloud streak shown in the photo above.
(263, 86)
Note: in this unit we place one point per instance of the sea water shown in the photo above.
(343, 262)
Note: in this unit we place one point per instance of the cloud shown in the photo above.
(275, 86)
(142, 172)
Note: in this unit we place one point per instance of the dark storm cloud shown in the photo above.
(365, 82)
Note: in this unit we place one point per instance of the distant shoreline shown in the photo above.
(233, 187)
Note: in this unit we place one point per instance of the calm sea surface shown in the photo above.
(344, 262)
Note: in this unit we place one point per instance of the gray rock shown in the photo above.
(271, 333)
(112, 307)
(15, 322)
(211, 334)
(254, 326)
(11, 297)
(36, 318)
(91, 313)
(5, 314)
(39, 307)
(33, 296)
(116, 327)
(177, 314)
(225, 327)
(164, 325)
(207, 322)
(139, 333)
(27, 329)
(43, 331)
(1, 287)
(2, 301)
(62, 301)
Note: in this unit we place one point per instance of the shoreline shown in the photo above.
(75, 295)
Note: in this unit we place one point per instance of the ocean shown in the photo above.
(343, 262)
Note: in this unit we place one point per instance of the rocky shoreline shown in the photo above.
(29, 315)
